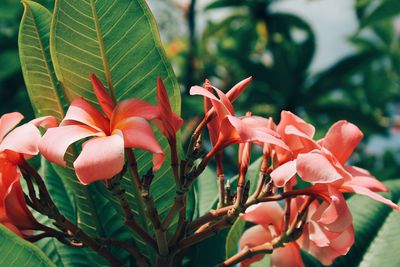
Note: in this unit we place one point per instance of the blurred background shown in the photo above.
(325, 60)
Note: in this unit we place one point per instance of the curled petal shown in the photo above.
(288, 118)
(8, 122)
(134, 108)
(198, 90)
(138, 133)
(45, 122)
(106, 102)
(347, 135)
(335, 215)
(56, 141)
(23, 139)
(101, 158)
(80, 111)
(284, 173)
(254, 236)
(339, 244)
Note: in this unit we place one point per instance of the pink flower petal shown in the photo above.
(336, 216)
(198, 90)
(8, 122)
(288, 256)
(101, 158)
(365, 191)
(170, 121)
(56, 141)
(347, 135)
(23, 139)
(80, 111)
(134, 108)
(254, 236)
(284, 173)
(106, 102)
(238, 89)
(313, 167)
(288, 118)
(45, 122)
(138, 133)
(264, 214)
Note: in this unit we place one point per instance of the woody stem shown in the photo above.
(55, 214)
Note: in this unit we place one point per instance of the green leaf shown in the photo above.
(14, 251)
(388, 9)
(119, 42)
(47, 98)
(233, 237)
(36, 64)
(206, 188)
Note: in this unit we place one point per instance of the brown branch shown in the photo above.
(61, 220)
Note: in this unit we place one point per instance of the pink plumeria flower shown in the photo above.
(323, 163)
(125, 125)
(16, 145)
(268, 219)
(234, 130)
(327, 234)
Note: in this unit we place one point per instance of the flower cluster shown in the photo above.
(314, 218)
(326, 227)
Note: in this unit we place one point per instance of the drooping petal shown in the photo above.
(264, 214)
(101, 158)
(365, 191)
(80, 111)
(254, 236)
(56, 141)
(106, 102)
(284, 173)
(363, 178)
(314, 167)
(134, 108)
(198, 90)
(138, 133)
(8, 122)
(288, 256)
(347, 135)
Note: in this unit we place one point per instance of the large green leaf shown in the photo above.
(14, 251)
(48, 99)
(119, 42)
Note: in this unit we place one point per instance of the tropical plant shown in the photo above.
(115, 187)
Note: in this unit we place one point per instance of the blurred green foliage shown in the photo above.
(277, 49)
